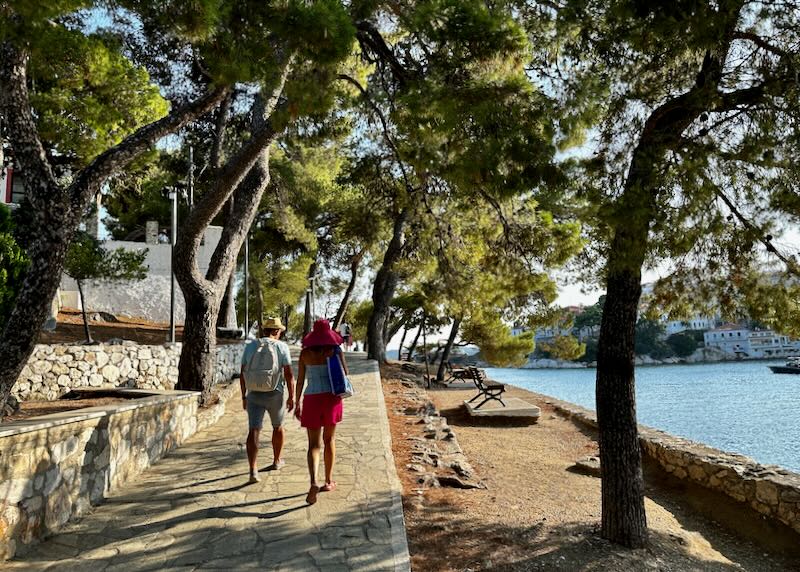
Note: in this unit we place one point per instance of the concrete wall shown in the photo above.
(148, 298)
(53, 370)
(769, 489)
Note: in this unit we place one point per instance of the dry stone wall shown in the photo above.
(53, 468)
(53, 370)
(769, 489)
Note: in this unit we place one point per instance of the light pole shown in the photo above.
(173, 195)
(246, 285)
(191, 177)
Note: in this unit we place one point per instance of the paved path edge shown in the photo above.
(402, 558)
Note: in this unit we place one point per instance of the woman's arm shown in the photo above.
(344, 363)
(301, 380)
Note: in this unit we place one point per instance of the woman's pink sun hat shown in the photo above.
(322, 335)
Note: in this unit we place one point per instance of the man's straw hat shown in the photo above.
(272, 324)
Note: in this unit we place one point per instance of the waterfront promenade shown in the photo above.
(194, 511)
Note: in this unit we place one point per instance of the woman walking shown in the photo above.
(320, 410)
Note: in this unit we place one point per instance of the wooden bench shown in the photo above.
(487, 388)
(456, 373)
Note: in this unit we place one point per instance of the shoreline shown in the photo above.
(577, 365)
(536, 513)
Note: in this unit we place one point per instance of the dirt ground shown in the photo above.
(28, 409)
(536, 514)
(70, 330)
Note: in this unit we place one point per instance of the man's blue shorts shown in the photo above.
(259, 402)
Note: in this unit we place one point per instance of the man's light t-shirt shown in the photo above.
(284, 357)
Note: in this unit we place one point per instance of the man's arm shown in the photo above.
(288, 375)
(243, 387)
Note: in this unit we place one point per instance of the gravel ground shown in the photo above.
(536, 514)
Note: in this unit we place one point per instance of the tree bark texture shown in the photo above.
(57, 209)
(355, 262)
(448, 346)
(414, 343)
(623, 513)
(383, 290)
(243, 179)
(204, 294)
(402, 342)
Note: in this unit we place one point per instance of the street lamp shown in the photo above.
(173, 196)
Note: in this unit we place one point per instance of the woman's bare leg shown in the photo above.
(314, 445)
(329, 438)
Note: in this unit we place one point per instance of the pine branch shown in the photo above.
(763, 238)
(89, 180)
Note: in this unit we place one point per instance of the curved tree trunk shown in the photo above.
(243, 179)
(448, 346)
(226, 318)
(402, 341)
(623, 515)
(383, 291)
(198, 361)
(415, 341)
(355, 262)
(58, 208)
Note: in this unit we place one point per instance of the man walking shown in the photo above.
(266, 373)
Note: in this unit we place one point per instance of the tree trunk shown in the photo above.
(402, 341)
(227, 308)
(448, 346)
(86, 331)
(383, 291)
(413, 345)
(58, 209)
(32, 305)
(198, 361)
(623, 515)
(244, 178)
(354, 264)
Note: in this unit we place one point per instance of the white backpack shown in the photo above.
(263, 372)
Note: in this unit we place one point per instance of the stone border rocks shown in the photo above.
(769, 489)
(436, 456)
(53, 370)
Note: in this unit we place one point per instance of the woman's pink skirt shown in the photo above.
(321, 410)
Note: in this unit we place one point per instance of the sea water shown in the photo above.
(741, 407)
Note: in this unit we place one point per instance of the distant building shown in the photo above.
(695, 323)
(11, 189)
(742, 342)
(148, 298)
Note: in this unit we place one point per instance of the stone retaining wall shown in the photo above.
(54, 467)
(771, 490)
(53, 370)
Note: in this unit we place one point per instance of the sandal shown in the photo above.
(311, 497)
(328, 487)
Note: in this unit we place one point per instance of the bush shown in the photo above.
(13, 264)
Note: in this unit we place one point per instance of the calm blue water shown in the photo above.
(738, 407)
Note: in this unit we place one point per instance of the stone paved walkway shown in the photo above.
(193, 510)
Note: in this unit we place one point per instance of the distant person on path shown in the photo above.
(320, 410)
(344, 331)
(266, 373)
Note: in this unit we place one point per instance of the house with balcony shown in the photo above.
(742, 342)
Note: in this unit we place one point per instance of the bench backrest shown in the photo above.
(478, 376)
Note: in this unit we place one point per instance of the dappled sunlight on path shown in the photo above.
(195, 510)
